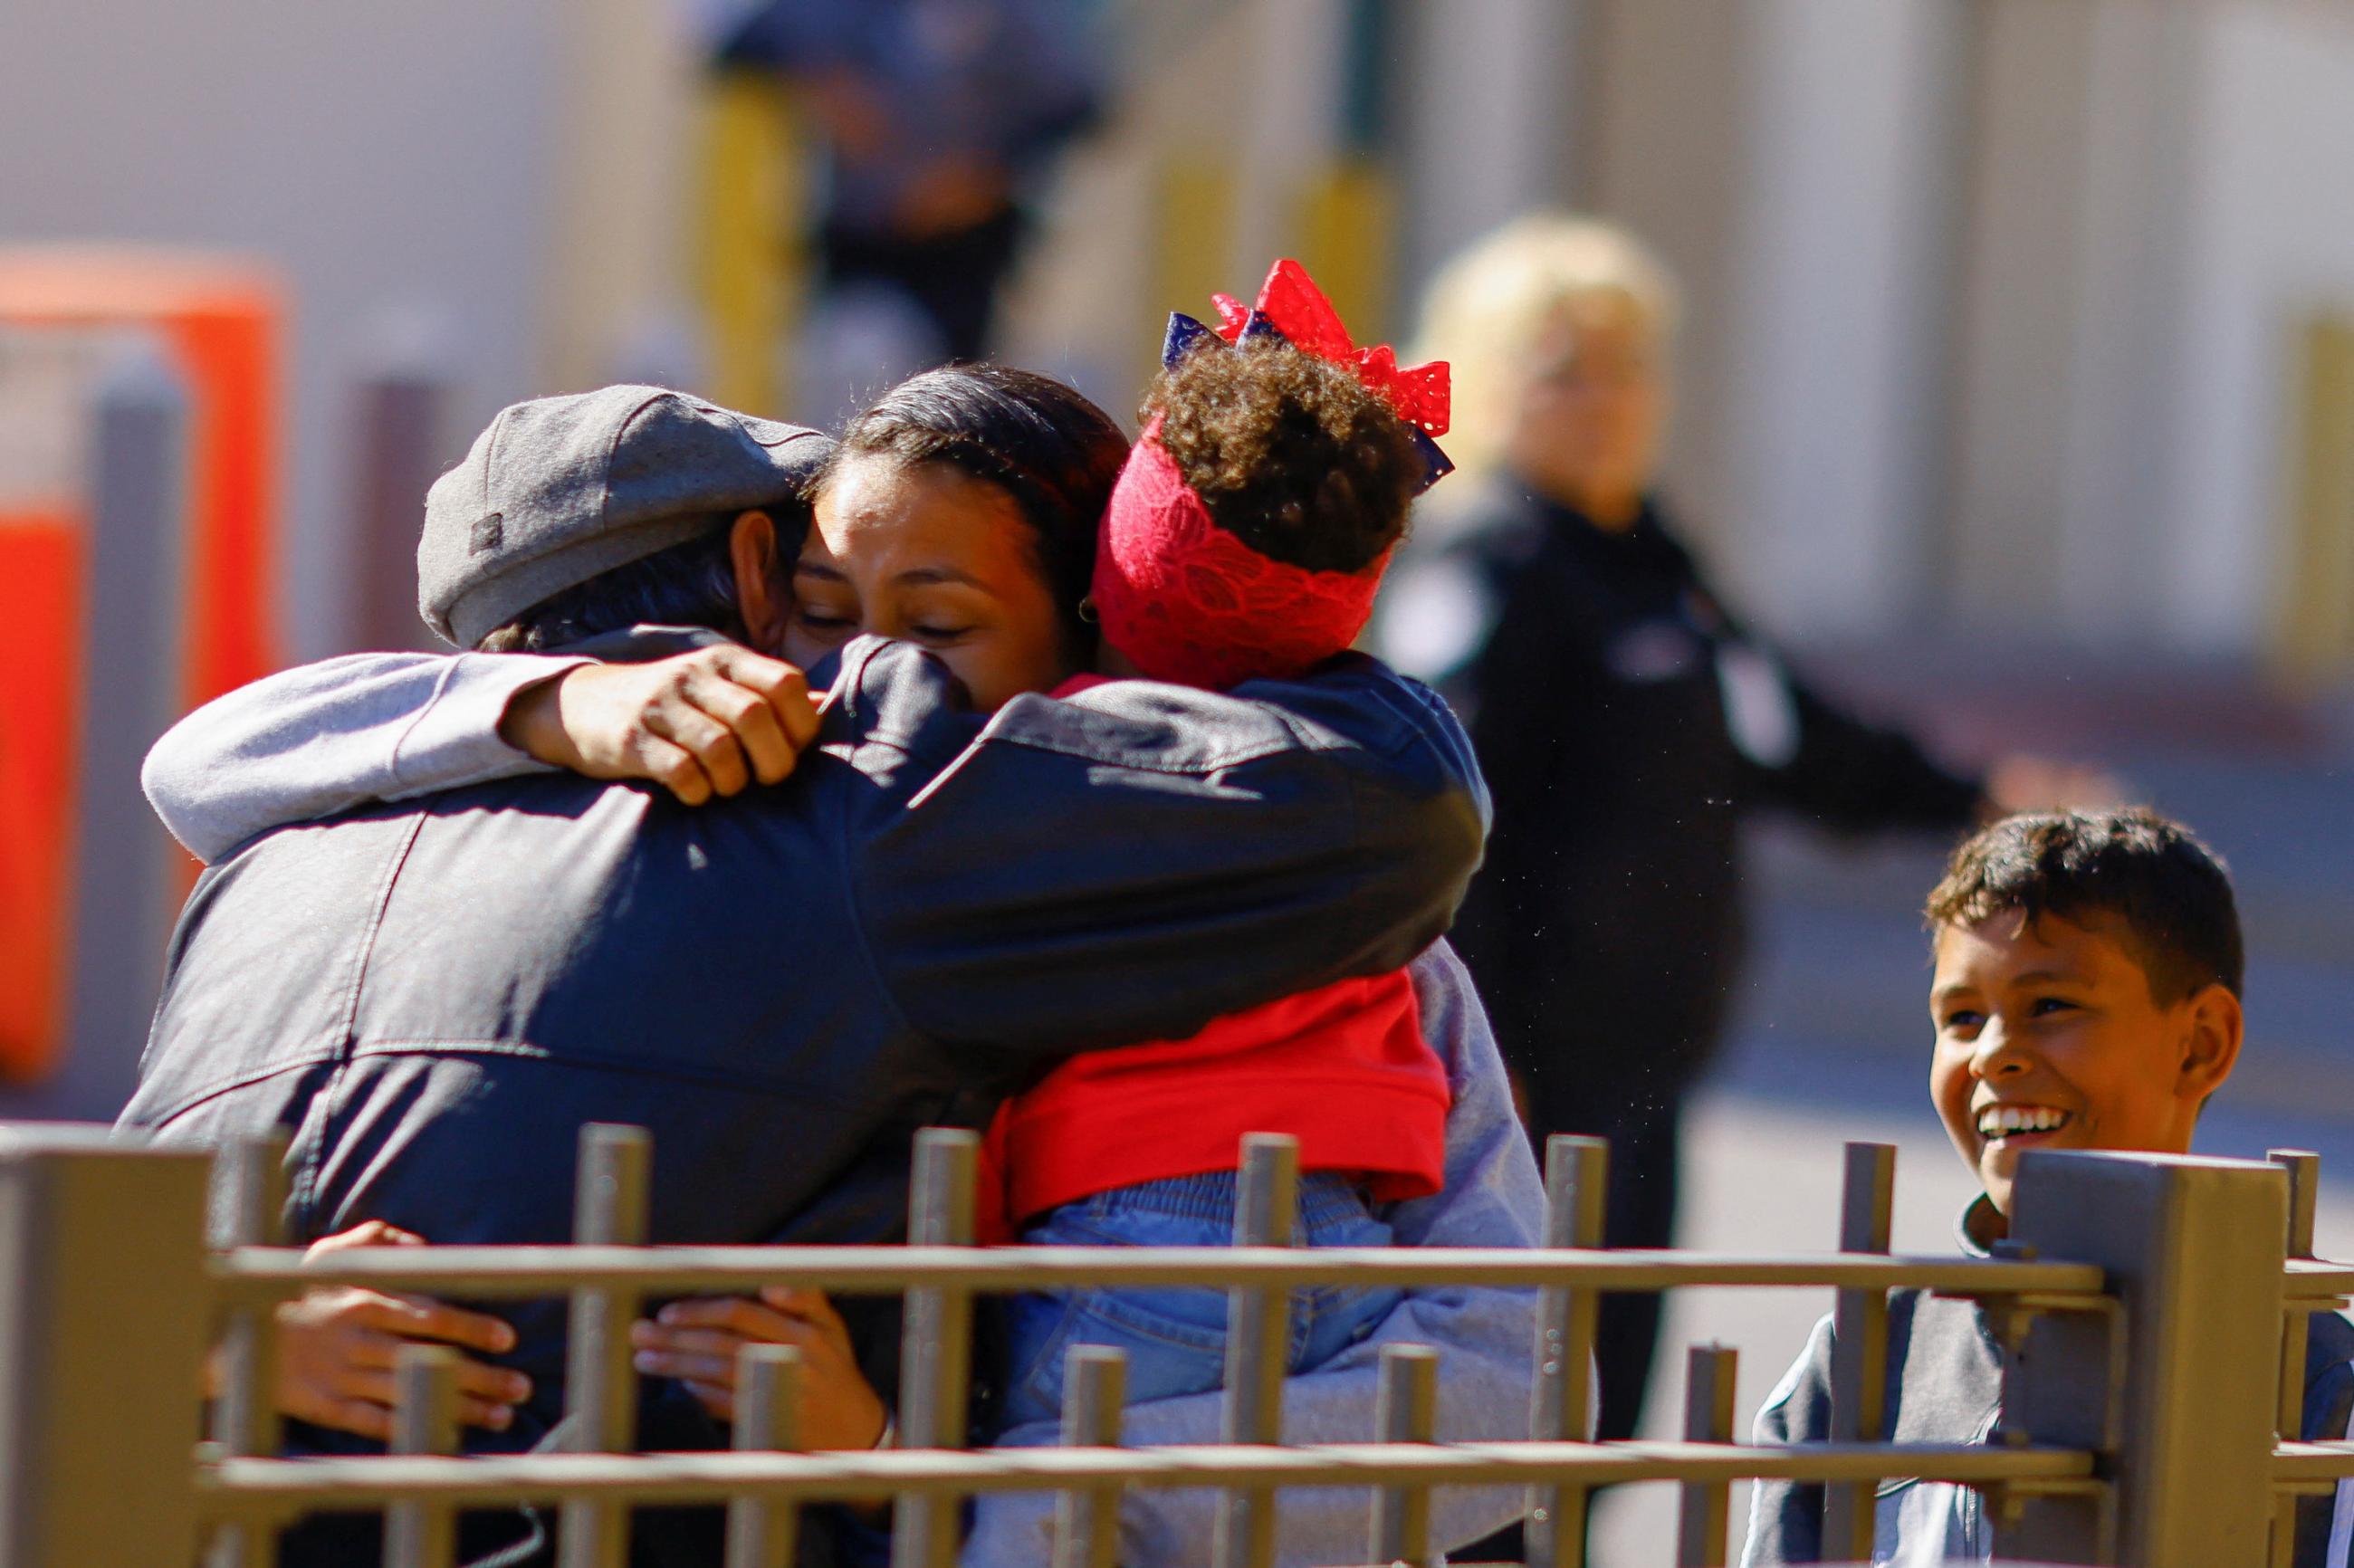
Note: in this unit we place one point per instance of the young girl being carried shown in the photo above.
(1245, 539)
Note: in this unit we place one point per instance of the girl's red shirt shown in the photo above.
(1343, 1068)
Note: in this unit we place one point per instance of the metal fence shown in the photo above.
(2151, 1310)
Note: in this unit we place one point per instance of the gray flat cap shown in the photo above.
(561, 489)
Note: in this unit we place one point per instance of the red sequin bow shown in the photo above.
(1291, 304)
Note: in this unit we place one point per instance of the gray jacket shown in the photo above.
(1945, 1383)
(435, 996)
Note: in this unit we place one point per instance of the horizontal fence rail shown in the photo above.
(2148, 1310)
(262, 1485)
(247, 1276)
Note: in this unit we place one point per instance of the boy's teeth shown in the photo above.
(1997, 1121)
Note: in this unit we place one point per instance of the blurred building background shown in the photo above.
(2016, 363)
(2024, 318)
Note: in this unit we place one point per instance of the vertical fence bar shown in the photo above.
(2304, 1168)
(98, 1426)
(762, 1533)
(1705, 1522)
(1859, 1360)
(425, 1421)
(1576, 1178)
(936, 1352)
(1086, 1519)
(1405, 1411)
(1258, 1334)
(610, 1208)
(247, 1209)
(2193, 1249)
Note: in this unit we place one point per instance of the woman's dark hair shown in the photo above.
(2152, 875)
(1053, 452)
(1289, 453)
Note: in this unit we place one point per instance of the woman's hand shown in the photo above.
(336, 1346)
(696, 1342)
(700, 724)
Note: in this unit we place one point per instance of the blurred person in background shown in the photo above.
(1626, 720)
(932, 116)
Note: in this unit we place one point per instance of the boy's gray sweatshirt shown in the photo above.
(1945, 1386)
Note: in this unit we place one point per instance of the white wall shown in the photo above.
(1486, 133)
(388, 159)
(1837, 302)
(2270, 234)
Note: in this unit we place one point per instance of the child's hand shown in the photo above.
(701, 724)
(696, 1342)
(336, 1345)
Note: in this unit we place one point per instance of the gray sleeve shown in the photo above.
(1786, 1517)
(1485, 1337)
(324, 737)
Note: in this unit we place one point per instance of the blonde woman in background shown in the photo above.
(1624, 716)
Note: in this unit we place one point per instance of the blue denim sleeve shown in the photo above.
(1485, 1339)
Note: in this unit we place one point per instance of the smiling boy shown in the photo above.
(2086, 995)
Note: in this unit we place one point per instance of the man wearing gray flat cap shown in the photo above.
(434, 994)
(561, 490)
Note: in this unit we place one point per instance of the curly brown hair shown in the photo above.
(1289, 453)
(2169, 892)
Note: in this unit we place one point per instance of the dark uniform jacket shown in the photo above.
(1626, 723)
(435, 995)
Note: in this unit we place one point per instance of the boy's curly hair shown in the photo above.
(1289, 453)
(2168, 891)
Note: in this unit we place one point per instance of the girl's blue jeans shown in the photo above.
(1175, 1336)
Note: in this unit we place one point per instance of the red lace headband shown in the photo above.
(1188, 601)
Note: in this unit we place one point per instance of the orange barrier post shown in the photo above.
(217, 324)
(41, 568)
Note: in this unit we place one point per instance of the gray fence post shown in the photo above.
(248, 1209)
(1705, 1509)
(2194, 1252)
(761, 1534)
(1576, 1177)
(611, 1204)
(935, 1346)
(1859, 1333)
(131, 688)
(1406, 1412)
(1094, 1392)
(103, 1309)
(425, 1421)
(1258, 1334)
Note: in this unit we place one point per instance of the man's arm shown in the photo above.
(686, 708)
(322, 738)
(1485, 1339)
(1786, 1517)
(1136, 861)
